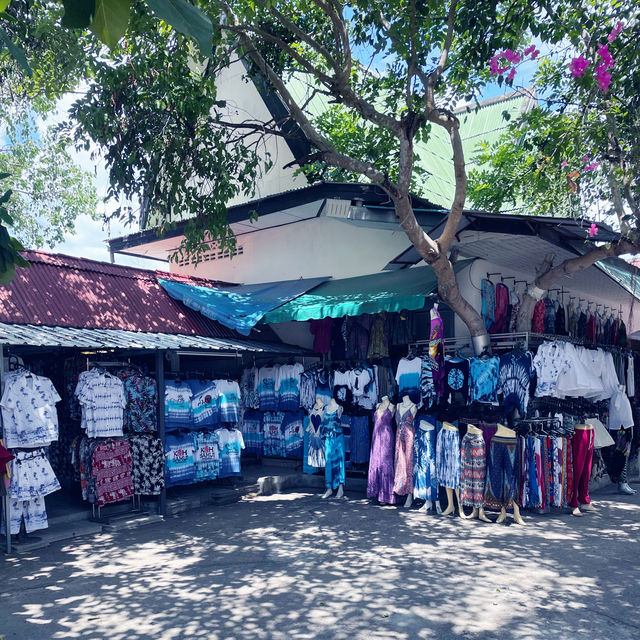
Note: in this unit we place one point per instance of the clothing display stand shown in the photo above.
(162, 504)
(7, 496)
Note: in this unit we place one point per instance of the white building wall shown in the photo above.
(310, 248)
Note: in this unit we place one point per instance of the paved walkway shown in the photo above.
(294, 567)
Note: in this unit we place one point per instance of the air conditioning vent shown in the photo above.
(210, 256)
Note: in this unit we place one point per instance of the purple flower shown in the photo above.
(512, 56)
(535, 54)
(493, 65)
(593, 230)
(605, 56)
(578, 66)
(603, 77)
(512, 74)
(564, 163)
(529, 49)
(592, 166)
(585, 159)
(615, 32)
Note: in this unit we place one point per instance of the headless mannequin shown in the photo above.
(381, 407)
(403, 407)
(578, 511)
(451, 507)
(332, 407)
(505, 432)
(478, 512)
(427, 426)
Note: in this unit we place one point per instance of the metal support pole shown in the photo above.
(7, 498)
(162, 507)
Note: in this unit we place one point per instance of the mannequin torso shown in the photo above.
(449, 426)
(407, 405)
(471, 428)
(505, 432)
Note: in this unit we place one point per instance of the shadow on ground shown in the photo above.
(296, 567)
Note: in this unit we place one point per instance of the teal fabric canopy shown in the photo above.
(387, 291)
(239, 307)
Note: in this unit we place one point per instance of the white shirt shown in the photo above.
(29, 414)
(620, 414)
(103, 400)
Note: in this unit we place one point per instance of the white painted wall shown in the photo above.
(316, 247)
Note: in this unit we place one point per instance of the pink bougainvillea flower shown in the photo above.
(512, 74)
(615, 32)
(605, 56)
(493, 65)
(593, 230)
(578, 66)
(529, 49)
(512, 56)
(535, 54)
(564, 163)
(603, 77)
(585, 159)
(592, 166)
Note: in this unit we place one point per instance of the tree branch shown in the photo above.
(330, 154)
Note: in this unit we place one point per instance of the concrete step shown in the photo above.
(55, 533)
(131, 521)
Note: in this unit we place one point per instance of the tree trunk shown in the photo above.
(450, 293)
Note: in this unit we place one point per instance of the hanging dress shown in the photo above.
(436, 352)
(488, 300)
(381, 476)
(425, 484)
(331, 432)
(403, 473)
(313, 445)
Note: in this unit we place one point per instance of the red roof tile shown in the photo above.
(65, 291)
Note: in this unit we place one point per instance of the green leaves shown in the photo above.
(17, 53)
(110, 20)
(187, 19)
(78, 14)
(4, 4)
(9, 247)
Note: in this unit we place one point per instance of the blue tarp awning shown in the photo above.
(386, 291)
(239, 307)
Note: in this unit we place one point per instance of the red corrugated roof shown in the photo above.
(65, 291)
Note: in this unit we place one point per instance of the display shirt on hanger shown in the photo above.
(456, 378)
(408, 378)
(28, 410)
(289, 386)
(515, 374)
(267, 388)
(231, 445)
(204, 402)
(206, 455)
(102, 398)
(483, 379)
(229, 400)
(177, 402)
(141, 394)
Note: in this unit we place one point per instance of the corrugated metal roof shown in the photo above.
(71, 337)
(64, 291)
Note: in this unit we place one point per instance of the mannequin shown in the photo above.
(331, 430)
(507, 434)
(380, 478)
(448, 465)
(313, 444)
(477, 512)
(430, 491)
(403, 475)
(582, 446)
